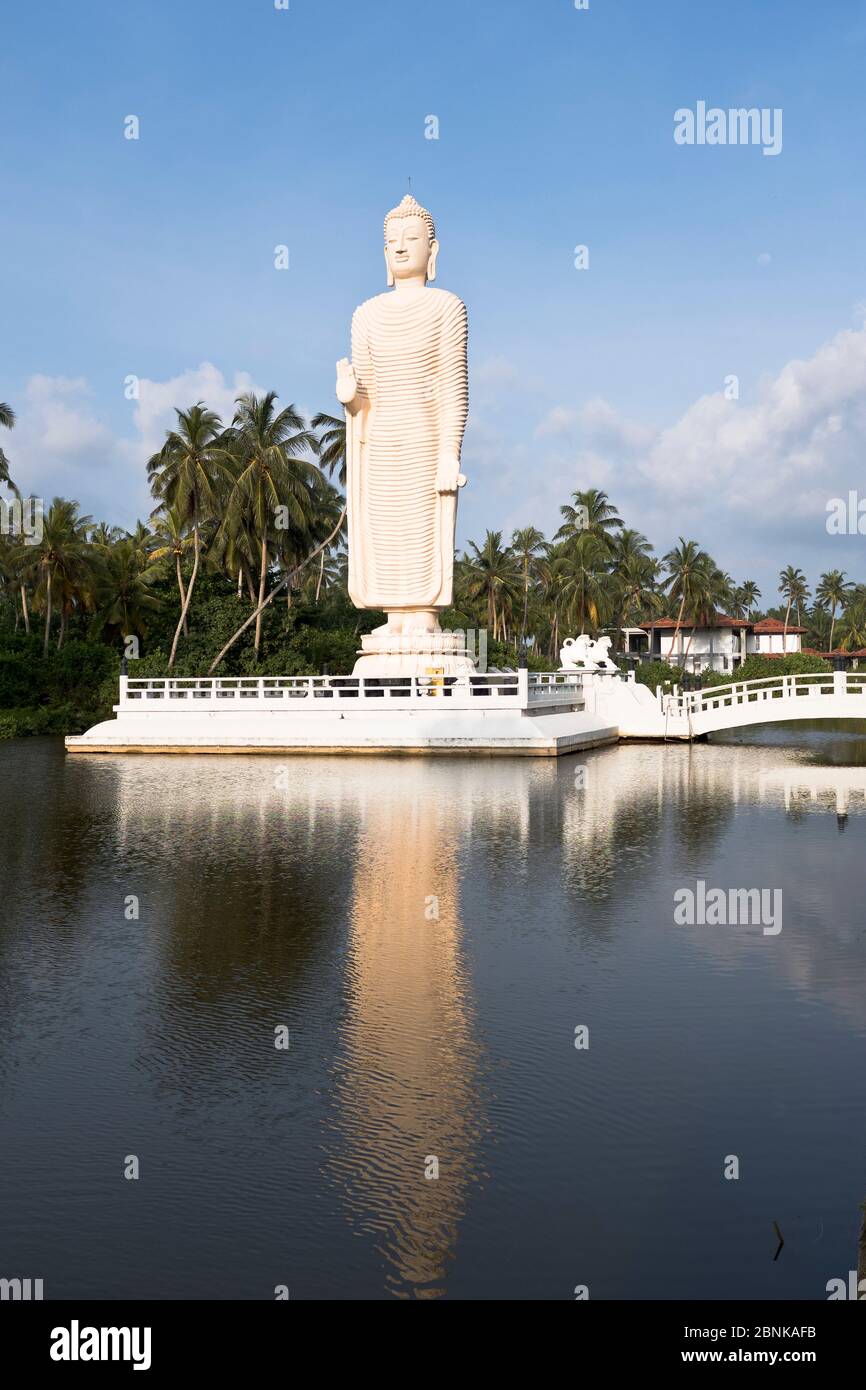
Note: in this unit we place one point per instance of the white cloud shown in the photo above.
(154, 412)
(60, 446)
(749, 479)
(559, 420)
(805, 426)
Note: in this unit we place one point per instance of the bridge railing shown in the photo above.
(735, 693)
(507, 689)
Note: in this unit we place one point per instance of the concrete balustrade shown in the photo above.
(514, 690)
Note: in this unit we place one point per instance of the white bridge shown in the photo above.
(690, 714)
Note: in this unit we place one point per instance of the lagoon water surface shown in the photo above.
(430, 933)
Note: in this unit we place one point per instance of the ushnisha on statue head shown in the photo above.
(411, 247)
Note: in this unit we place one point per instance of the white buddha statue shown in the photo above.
(406, 398)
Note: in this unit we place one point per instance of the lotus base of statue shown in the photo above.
(417, 653)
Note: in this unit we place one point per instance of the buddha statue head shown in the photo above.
(411, 247)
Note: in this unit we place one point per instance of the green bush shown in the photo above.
(78, 670)
(760, 667)
(23, 679)
(653, 673)
(54, 719)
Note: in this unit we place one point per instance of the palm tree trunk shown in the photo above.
(832, 626)
(240, 582)
(785, 633)
(182, 593)
(321, 576)
(263, 579)
(24, 609)
(47, 616)
(186, 601)
(554, 633)
(677, 628)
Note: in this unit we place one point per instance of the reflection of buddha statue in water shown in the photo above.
(406, 398)
(407, 1085)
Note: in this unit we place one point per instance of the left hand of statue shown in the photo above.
(448, 475)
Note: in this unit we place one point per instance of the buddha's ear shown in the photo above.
(431, 264)
(388, 264)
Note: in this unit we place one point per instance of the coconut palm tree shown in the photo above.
(854, 620)
(745, 596)
(270, 451)
(182, 475)
(327, 504)
(636, 588)
(491, 573)
(589, 511)
(583, 565)
(711, 593)
(686, 569)
(552, 584)
(294, 542)
(234, 549)
(332, 445)
(832, 592)
(7, 421)
(17, 573)
(173, 541)
(627, 543)
(123, 597)
(526, 545)
(60, 555)
(104, 535)
(793, 588)
(9, 574)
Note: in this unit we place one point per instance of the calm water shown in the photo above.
(310, 905)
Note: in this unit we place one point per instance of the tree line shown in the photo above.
(257, 505)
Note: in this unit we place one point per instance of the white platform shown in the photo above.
(510, 714)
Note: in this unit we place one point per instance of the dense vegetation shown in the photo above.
(241, 568)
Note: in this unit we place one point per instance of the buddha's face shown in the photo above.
(407, 247)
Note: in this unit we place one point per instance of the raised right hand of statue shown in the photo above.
(347, 382)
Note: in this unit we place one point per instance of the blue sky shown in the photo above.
(259, 127)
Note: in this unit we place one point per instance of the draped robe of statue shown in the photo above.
(409, 353)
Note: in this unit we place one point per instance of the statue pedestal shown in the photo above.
(414, 654)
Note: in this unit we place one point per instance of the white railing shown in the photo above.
(555, 688)
(514, 690)
(838, 684)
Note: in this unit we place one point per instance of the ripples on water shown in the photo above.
(431, 932)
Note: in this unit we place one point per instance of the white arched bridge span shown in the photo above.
(690, 714)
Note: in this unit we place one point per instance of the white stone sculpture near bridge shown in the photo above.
(583, 654)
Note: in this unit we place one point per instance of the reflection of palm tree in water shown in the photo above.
(406, 1087)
